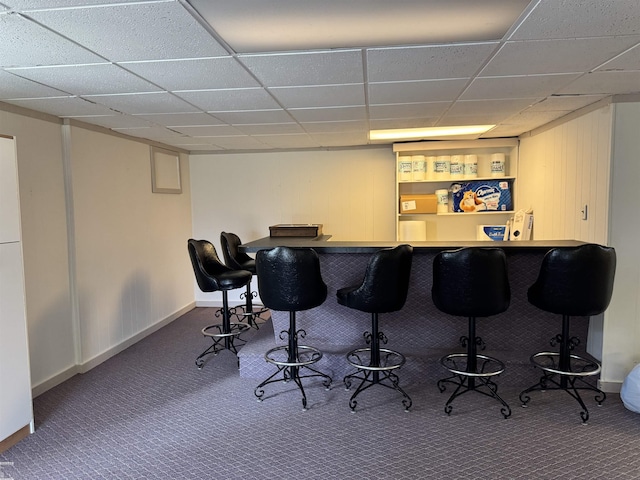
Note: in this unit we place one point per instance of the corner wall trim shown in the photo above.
(609, 387)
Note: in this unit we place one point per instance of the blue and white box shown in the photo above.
(482, 196)
(495, 233)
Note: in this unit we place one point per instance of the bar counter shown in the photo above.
(419, 330)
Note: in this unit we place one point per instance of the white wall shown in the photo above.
(622, 319)
(44, 237)
(562, 170)
(132, 266)
(351, 192)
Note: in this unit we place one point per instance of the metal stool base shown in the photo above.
(477, 380)
(290, 365)
(248, 310)
(555, 378)
(369, 373)
(223, 339)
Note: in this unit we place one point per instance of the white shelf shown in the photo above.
(454, 180)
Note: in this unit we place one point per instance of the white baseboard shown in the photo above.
(609, 387)
(107, 354)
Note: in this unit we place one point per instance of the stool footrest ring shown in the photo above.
(304, 355)
(389, 359)
(234, 330)
(579, 366)
(484, 361)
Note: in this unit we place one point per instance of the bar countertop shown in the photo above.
(324, 244)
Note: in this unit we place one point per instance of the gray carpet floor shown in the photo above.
(150, 413)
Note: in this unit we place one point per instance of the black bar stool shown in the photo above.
(212, 276)
(383, 289)
(575, 281)
(471, 282)
(237, 260)
(289, 280)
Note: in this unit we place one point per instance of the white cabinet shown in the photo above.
(16, 411)
(448, 225)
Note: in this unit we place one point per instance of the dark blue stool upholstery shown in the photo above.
(575, 281)
(289, 280)
(237, 260)
(212, 276)
(383, 289)
(471, 282)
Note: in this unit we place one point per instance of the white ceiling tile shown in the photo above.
(484, 119)
(254, 117)
(114, 121)
(47, 4)
(63, 106)
(565, 102)
(402, 123)
(329, 114)
(181, 119)
(427, 62)
(319, 96)
(489, 107)
(269, 128)
(140, 31)
(531, 119)
(87, 79)
(528, 86)
(415, 92)
(144, 103)
(502, 131)
(228, 100)
(12, 86)
(25, 43)
(311, 68)
(629, 60)
(555, 56)
(408, 110)
(198, 147)
(208, 130)
(194, 74)
(580, 18)
(605, 82)
(336, 127)
(154, 132)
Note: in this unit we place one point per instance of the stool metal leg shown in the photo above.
(473, 376)
(224, 334)
(561, 370)
(298, 357)
(248, 307)
(378, 369)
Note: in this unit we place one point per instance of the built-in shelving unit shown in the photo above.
(456, 225)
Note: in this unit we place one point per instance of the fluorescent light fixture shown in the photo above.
(428, 132)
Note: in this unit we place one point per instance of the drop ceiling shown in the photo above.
(246, 75)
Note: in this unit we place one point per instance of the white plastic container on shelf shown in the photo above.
(442, 196)
(419, 168)
(431, 165)
(470, 166)
(497, 165)
(442, 167)
(456, 167)
(405, 169)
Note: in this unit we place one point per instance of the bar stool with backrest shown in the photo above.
(289, 280)
(213, 276)
(383, 289)
(471, 282)
(237, 260)
(572, 282)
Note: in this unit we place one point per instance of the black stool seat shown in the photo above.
(289, 280)
(383, 289)
(575, 281)
(471, 282)
(212, 276)
(237, 260)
